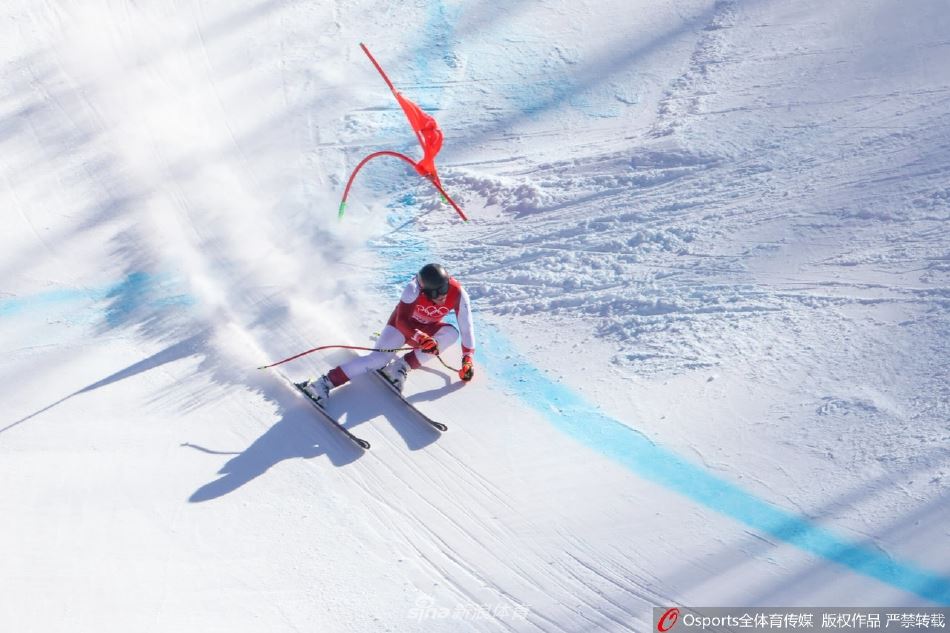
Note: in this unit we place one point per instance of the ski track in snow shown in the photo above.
(600, 240)
(714, 259)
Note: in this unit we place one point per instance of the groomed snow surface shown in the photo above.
(709, 257)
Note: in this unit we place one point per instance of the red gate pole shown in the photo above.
(378, 67)
(434, 181)
(349, 183)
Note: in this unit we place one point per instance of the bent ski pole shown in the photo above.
(323, 347)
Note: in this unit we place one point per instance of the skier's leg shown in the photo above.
(389, 338)
(397, 372)
(445, 336)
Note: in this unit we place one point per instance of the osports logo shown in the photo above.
(667, 620)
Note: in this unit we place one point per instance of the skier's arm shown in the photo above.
(463, 313)
(403, 312)
(407, 303)
(467, 328)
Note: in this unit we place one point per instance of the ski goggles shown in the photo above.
(437, 292)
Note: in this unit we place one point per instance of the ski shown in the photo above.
(436, 425)
(329, 418)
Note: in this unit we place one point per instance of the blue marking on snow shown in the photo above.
(581, 420)
(135, 291)
(142, 290)
(585, 423)
(45, 300)
(126, 297)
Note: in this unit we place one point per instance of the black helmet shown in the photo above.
(434, 280)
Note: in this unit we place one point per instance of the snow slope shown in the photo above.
(709, 260)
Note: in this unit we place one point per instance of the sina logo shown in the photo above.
(667, 620)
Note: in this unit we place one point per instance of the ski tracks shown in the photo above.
(457, 522)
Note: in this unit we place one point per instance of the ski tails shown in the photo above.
(433, 423)
(323, 412)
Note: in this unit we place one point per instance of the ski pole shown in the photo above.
(446, 365)
(322, 347)
(356, 347)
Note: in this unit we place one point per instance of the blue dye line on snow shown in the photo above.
(124, 298)
(45, 300)
(142, 290)
(582, 421)
(585, 423)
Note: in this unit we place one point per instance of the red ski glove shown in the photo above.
(467, 372)
(425, 342)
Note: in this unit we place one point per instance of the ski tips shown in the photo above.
(339, 214)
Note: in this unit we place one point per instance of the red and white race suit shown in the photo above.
(416, 311)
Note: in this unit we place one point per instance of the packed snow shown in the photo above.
(709, 258)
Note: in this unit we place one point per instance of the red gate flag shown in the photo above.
(427, 132)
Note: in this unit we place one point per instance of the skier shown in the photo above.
(417, 322)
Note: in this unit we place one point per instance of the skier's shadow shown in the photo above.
(299, 434)
(352, 404)
(445, 389)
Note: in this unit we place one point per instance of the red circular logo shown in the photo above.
(667, 620)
